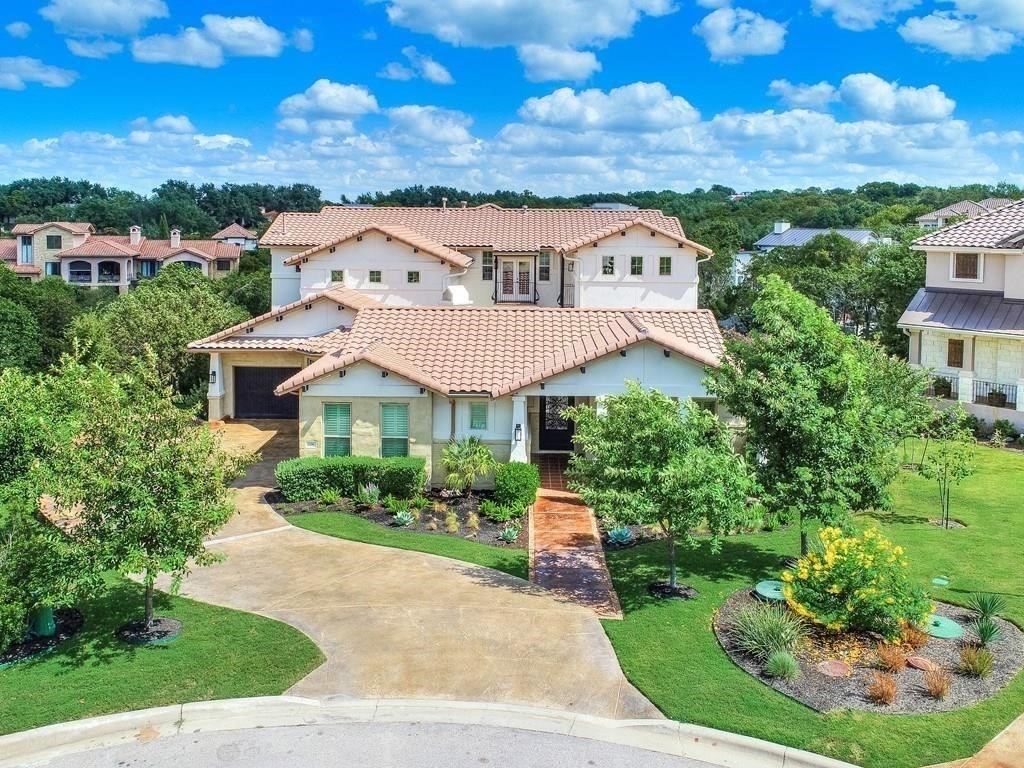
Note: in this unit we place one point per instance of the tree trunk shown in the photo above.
(804, 546)
(672, 560)
(149, 600)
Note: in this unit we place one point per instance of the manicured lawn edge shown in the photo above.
(221, 653)
(353, 528)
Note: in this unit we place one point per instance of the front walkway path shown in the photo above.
(566, 555)
(400, 624)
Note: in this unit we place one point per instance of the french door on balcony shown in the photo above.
(515, 281)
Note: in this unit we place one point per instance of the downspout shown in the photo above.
(450, 276)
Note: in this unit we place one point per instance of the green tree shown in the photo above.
(465, 460)
(163, 315)
(820, 430)
(951, 458)
(21, 340)
(643, 460)
(894, 274)
(148, 483)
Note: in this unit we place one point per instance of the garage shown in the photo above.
(254, 393)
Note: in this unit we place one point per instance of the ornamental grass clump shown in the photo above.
(891, 658)
(937, 682)
(882, 688)
(913, 637)
(761, 630)
(783, 665)
(855, 582)
(976, 662)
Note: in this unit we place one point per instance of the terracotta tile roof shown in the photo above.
(345, 297)
(994, 202)
(964, 311)
(486, 226)
(234, 230)
(102, 246)
(498, 350)
(963, 208)
(9, 257)
(147, 248)
(396, 231)
(311, 345)
(76, 227)
(1001, 228)
(620, 226)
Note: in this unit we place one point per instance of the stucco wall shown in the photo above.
(284, 281)
(1013, 275)
(323, 315)
(937, 273)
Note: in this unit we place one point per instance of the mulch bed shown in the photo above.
(430, 521)
(825, 693)
(161, 630)
(69, 622)
(662, 589)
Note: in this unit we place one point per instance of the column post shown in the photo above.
(215, 389)
(520, 430)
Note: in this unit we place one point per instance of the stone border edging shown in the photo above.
(691, 741)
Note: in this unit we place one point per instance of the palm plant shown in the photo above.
(465, 460)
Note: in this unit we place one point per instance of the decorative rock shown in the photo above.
(835, 668)
(769, 590)
(919, 662)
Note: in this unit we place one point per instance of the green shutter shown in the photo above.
(478, 415)
(337, 429)
(394, 429)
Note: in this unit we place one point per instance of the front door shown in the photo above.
(515, 281)
(555, 430)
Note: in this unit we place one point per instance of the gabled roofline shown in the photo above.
(378, 353)
(626, 224)
(432, 247)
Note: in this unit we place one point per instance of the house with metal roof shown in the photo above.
(967, 323)
(784, 235)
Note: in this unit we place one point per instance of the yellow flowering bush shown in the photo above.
(857, 582)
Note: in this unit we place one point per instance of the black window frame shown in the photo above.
(378, 273)
(608, 265)
(409, 277)
(636, 266)
(60, 242)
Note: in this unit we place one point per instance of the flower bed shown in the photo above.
(859, 650)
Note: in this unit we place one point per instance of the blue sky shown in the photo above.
(558, 97)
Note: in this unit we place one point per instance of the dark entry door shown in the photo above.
(254, 394)
(555, 430)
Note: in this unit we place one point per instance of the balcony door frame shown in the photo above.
(517, 266)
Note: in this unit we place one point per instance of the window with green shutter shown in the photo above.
(394, 429)
(478, 416)
(337, 429)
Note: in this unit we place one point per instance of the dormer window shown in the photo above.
(966, 266)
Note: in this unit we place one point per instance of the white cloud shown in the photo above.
(731, 34)
(93, 49)
(20, 29)
(369, 34)
(328, 99)
(859, 15)
(634, 107)
(431, 125)
(815, 96)
(420, 65)
(168, 124)
(103, 17)
(871, 97)
(16, 72)
(1003, 14)
(190, 47)
(243, 35)
(544, 62)
(567, 25)
(961, 37)
(302, 39)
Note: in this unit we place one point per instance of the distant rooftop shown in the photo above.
(784, 235)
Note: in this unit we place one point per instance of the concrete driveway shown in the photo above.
(398, 624)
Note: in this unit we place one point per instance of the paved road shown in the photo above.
(374, 745)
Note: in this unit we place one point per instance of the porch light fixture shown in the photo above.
(583, 369)
(341, 374)
(305, 387)
(666, 353)
(213, 377)
(622, 353)
(519, 433)
(383, 374)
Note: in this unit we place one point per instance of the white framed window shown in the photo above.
(636, 265)
(412, 276)
(487, 266)
(337, 429)
(967, 267)
(338, 276)
(607, 265)
(664, 265)
(544, 268)
(478, 416)
(375, 276)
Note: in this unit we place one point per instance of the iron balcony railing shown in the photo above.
(998, 395)
(568, 297)
(948, 389)
(523, 292)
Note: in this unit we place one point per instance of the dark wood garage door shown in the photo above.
(254, 394)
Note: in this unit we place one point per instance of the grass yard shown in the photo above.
(345, 526)
(667, 649)
(221, 653)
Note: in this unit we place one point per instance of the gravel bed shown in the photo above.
(824, 693)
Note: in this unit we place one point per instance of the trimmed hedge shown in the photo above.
(307, 478)
(516, 484)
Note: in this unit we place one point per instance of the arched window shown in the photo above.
(109, 272)
(80, 272)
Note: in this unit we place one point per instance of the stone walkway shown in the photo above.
(566, 555)
(401, 624)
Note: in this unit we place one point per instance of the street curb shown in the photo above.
(27, 748)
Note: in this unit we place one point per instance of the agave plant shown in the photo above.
(403, 518)
(509, 533)
(620, 536)
(465, 460)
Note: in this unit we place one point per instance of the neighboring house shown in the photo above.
(784, 235)
(236, 234)
(9, 258)
(965, 209)
(393, 371)
(967, 323)
(487, 255)
(71, 251)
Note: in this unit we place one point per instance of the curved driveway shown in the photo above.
(399, 624)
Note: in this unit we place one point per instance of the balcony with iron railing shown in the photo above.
(996, 395)
(568, 297)
(518, 292)
(944, 388)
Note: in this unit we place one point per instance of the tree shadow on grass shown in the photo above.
(893, 517)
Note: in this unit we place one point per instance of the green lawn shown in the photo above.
(353, 528)
(221, 653)
(669, 652)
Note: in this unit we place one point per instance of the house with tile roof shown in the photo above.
(73, 252)
(235, 234)
(967, 323)
(512, 316)
(965, 209)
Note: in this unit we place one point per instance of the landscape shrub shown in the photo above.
(937, 682)
(987, 631)
(761, 630)
(516, 484)
(882, 688)
(856, 582)
(307, 478)
(976, 662)
(1005, 429)
(499, 513)
(986, 604)
(782, 664)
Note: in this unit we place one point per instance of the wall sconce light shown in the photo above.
(666, 353)
(519, 433)
(383, 374)
(583, 369)
(572, 266)
(213, 377)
